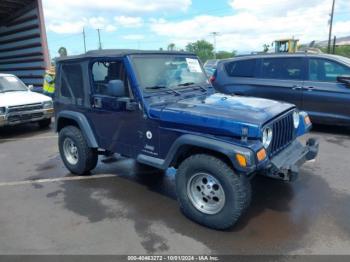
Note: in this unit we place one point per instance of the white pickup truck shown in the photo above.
(19, 105)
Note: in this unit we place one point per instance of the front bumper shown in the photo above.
(25, 117)
(285, 165)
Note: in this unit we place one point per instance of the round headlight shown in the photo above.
(2, 110)
(267, 137)
(296, 119)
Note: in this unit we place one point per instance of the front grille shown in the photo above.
(283, 133)
(25, 117)
(22, 108)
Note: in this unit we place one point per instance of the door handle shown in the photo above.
(296, 87)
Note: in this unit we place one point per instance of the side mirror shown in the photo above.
(116, 88)
(30, 87)
(344, 79)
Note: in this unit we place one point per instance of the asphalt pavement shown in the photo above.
(123, 209)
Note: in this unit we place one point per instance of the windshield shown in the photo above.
(172, 72)
(11, 84)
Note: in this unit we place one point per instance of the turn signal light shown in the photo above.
(242, 161)
(307, 120)
(261, 154)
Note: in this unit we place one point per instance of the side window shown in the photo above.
(99, 72)
(326, 70)
(72, 85)
(104, 74)
(282, 68)
(241, 68)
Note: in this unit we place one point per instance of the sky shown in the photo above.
(242, 25)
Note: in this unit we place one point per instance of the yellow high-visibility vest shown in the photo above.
(49, 84)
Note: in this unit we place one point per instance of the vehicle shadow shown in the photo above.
(280, 213)
(336, 130)
(22, 131)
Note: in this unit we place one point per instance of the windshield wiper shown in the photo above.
(165, 87)
(186, 84)
(192, 83)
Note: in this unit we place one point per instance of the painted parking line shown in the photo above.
(27, 138)
(51, 180)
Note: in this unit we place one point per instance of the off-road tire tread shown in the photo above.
(240, 185)
(88, 157)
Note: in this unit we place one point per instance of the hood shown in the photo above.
(221, 114)
(21, 98)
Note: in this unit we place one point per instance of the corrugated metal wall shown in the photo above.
(23, 44)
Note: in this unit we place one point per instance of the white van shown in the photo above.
(19, 105)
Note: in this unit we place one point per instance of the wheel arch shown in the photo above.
(77, 119)
(187, 145)
(186, 150)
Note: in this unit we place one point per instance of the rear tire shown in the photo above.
(44, 123)
(210, 192)
(77, 156)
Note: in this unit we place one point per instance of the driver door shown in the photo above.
(115, 123)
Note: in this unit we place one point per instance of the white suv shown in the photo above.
(19, 105)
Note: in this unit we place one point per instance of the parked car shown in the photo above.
(159, 109)
(210, 66)
(315, 83)
(20, 105)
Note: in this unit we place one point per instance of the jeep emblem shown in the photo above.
(149, 135)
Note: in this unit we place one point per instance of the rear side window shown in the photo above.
(72, 82)
(282, 68)
(241, 68)
(326, 70)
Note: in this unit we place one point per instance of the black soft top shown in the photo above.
(119, 53)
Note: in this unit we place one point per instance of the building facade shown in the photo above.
(23, 42)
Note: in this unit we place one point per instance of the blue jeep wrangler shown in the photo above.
(159, 109)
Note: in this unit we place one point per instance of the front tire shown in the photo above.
(77, 156)
(210, 192)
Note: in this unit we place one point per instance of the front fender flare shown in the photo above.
(83, 124)
(222, 147)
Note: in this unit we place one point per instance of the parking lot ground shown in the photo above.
(124, 210)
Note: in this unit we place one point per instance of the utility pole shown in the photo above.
(330, 28)
(214, 34)
(84, 36)
(99, 39)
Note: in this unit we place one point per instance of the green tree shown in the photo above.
(62, 51)
(171, 47)
(343, 50)
(225, 54)
(203, 49)
(266, 48)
